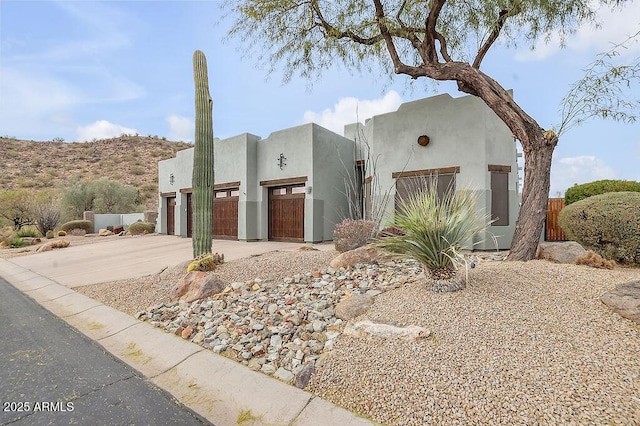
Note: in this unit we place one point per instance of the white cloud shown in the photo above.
(616, 27)
(567, 171)
(102, 129)
(180, 128)
(349, 110)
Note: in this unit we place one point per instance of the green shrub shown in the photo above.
(62, 233)
(85, 225)
(28, 231)
(49, 234)
(141, 228)
(351, 234)
(17, 242)
(435, 230)
(608, 224)
(586, 190)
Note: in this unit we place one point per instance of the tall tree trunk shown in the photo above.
(538, 152)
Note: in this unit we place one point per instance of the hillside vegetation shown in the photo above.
(129, 160)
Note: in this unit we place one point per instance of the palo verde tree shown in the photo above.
(202, 158)
(443, 40)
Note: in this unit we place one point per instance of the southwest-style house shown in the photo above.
(291, 185)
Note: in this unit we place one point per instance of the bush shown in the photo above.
(141, 228)
(586, 190)
(17, 242)
(391, 231)
(436, 229)
(607, 224)
(595, 261)
(62, 234)
(28, 231)
(49, 234)
(351, 234)
(85, 225)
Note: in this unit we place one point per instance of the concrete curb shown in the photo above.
(222, 391)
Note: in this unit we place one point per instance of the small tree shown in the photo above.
(15, 206)
(45, 211)
(113, 197)
(77, 198)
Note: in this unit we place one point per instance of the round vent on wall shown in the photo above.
(423, 140)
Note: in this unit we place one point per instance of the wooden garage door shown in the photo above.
(225, 214)
(189, 214)
(286, 213)
(171, 215)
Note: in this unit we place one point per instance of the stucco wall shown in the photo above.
(463, 132)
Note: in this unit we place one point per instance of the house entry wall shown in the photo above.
(286, 213)
(225, 213)
(171, 215)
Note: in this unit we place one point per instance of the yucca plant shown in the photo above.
(436, 229)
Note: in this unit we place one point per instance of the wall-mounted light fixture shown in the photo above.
(172, 179)
(281, 161)
(308, 189)
(423, 140)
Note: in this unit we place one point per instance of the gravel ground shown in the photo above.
(524, 343)
(135, 295)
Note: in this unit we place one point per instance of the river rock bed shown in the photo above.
(281, 328)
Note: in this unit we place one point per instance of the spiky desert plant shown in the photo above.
(202, 159)
(436, 229)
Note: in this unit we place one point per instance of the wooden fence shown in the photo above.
(553, 232)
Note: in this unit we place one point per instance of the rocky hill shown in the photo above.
(131, 160)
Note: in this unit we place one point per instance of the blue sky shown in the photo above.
(84, 70)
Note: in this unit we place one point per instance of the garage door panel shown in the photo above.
(225, 214)
(286, 213)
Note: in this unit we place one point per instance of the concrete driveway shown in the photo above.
(132, 257)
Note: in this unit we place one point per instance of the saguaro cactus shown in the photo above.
(202, 159)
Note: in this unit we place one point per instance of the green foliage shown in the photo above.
(206, 262)
(351, 234)
(49, 234)
(77, 197)
(203, 174)
(113, 197)
(586, 190)
(16, 242)
(99, 196)
(85, 225)
(608, 224)
(436, 229)
(28, 231)
(15, 206)
(141, 228)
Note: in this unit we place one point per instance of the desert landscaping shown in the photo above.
(524, 342)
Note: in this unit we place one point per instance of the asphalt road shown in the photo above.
(52, 374)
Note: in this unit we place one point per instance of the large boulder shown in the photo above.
(624, 300)
(362, 255)
(353, 306)
(561, 252)
(375, 329)
(196, 285)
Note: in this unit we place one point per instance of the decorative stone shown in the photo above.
(560, 252)
(624, 300)
(363, 328)
(268, 369)
(284, 375)
(303, 376)
(353, 306)
(186, 333)
(196, 285)
(361, 255)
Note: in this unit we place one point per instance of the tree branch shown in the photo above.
(495, 33)
(429, 42)
(334, 32)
